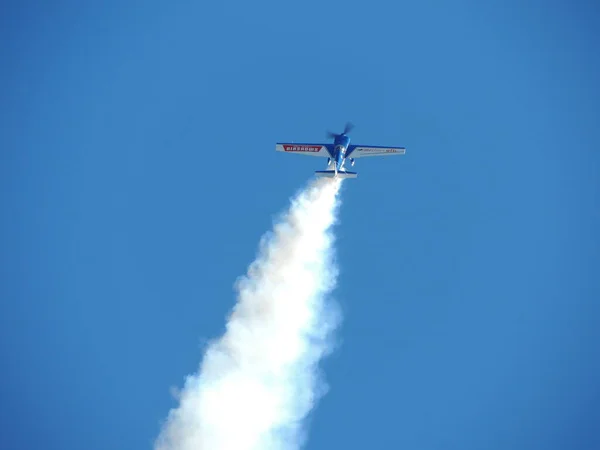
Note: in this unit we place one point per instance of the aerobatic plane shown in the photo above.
(338, 152)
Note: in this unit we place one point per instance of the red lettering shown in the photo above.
(302, 148)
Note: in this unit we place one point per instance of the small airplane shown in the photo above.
(338, 152)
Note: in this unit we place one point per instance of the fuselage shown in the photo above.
(340, 143)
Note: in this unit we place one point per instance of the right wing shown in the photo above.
(358, 151)
(305, 149)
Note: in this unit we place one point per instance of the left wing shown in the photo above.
(305, 149)
(358, 151)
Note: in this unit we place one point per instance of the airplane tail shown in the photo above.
(332, 174)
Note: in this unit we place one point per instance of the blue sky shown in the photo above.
(138, 173)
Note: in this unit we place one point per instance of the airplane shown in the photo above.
(338, 152)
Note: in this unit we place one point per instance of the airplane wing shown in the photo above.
(325, 150)
(358, 151)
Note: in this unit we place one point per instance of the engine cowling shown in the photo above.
(352, 161)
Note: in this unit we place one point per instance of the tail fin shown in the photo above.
(340, 174)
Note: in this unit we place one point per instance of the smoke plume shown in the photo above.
(257, 383)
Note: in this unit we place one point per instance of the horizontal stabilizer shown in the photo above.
(332, 174)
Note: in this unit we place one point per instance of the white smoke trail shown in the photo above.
(260, 379)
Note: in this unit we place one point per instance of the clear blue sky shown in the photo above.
(138, 172)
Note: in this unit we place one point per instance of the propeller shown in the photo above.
(349, 126)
